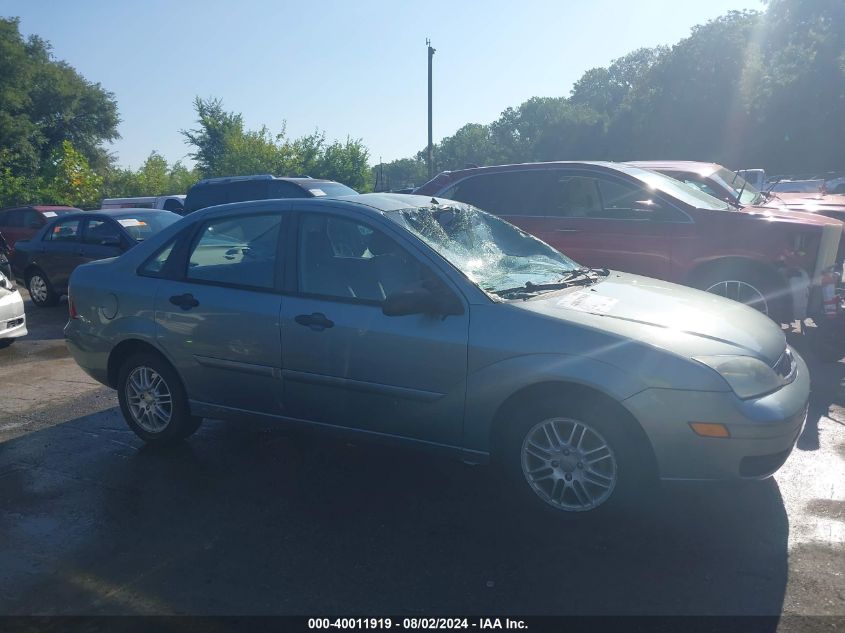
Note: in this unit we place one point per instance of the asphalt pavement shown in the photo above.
(251, 518)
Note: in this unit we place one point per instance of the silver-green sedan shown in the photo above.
(430, 322)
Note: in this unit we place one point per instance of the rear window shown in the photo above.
(329, 189)
(140, 226)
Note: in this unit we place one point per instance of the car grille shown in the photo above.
(13, 323)
(785, 366)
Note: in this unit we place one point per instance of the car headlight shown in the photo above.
(5, 282)
(747, 376)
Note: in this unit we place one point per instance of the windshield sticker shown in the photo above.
(49, 214)
(131, 222)
(587, 301)
(317, 192)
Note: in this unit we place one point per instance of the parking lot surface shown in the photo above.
(250, 518)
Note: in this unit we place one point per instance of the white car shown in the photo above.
(12, 317)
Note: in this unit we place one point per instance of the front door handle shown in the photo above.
(185, 301)
(316, 321)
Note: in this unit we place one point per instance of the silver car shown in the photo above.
(429, 322)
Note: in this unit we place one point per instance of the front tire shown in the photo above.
(574, 458)
(153, 401)
(40, 289)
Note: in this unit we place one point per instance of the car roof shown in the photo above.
(42, 207)
(372, 202)
(297, 180)
(535, 165)
(698, 167)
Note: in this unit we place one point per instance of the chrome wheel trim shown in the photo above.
(569, 464)
(741, 291)
(149, 399)
(38, 288)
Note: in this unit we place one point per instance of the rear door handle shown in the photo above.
(316, 321)
(185, 301)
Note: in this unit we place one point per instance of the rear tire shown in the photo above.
(5, 342)
(575, 459)
(40, 289)
(153, 401)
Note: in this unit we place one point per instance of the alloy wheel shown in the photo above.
(149, 398)
(741, 291)
(569, 464)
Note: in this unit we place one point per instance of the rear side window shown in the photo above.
(67, 231)
(158, 264)
(99, 231)
(15, 218)
(202, 196)
(244, 190)
(283, 189)
(239, 251)
(503, 193)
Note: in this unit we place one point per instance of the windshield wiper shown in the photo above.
(577, 277)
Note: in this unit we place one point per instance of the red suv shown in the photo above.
(620, 216)
(21, 223)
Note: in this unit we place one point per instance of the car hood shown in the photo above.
(783, 212)
(682, 320)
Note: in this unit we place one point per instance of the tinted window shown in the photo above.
(241, 191)
(15, 218)
(239, 251)
(345, 259)
(503, 193)
(283, 189)
(202, 196)
(66, 231)
(33, 219)
(99, 231)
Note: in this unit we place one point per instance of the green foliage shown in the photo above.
(45, 102)
(224, 148)
(72, 181)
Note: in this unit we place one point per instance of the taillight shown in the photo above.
(71, 308)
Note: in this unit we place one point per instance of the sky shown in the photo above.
(353, 68)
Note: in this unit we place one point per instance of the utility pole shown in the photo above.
(430, 142)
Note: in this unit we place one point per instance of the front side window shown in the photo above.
(67, 231)
(345, 259)
(239, 250)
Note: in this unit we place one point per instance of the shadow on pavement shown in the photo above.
(246, 518)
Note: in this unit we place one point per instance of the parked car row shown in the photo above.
(428, 321)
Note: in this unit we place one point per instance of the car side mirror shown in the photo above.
(421, 300)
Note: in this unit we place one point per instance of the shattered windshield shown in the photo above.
(492, 253)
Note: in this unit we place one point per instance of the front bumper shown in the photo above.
(12, 316)
(763, 430)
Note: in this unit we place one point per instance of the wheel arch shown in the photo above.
(705, 268)
(517, 401)
(124, 350)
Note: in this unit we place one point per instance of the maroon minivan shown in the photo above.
(623, 217)
(21, 223)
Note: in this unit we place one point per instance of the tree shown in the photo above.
(44, 102)
(72, 181)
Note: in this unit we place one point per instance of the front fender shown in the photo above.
(491, 386)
